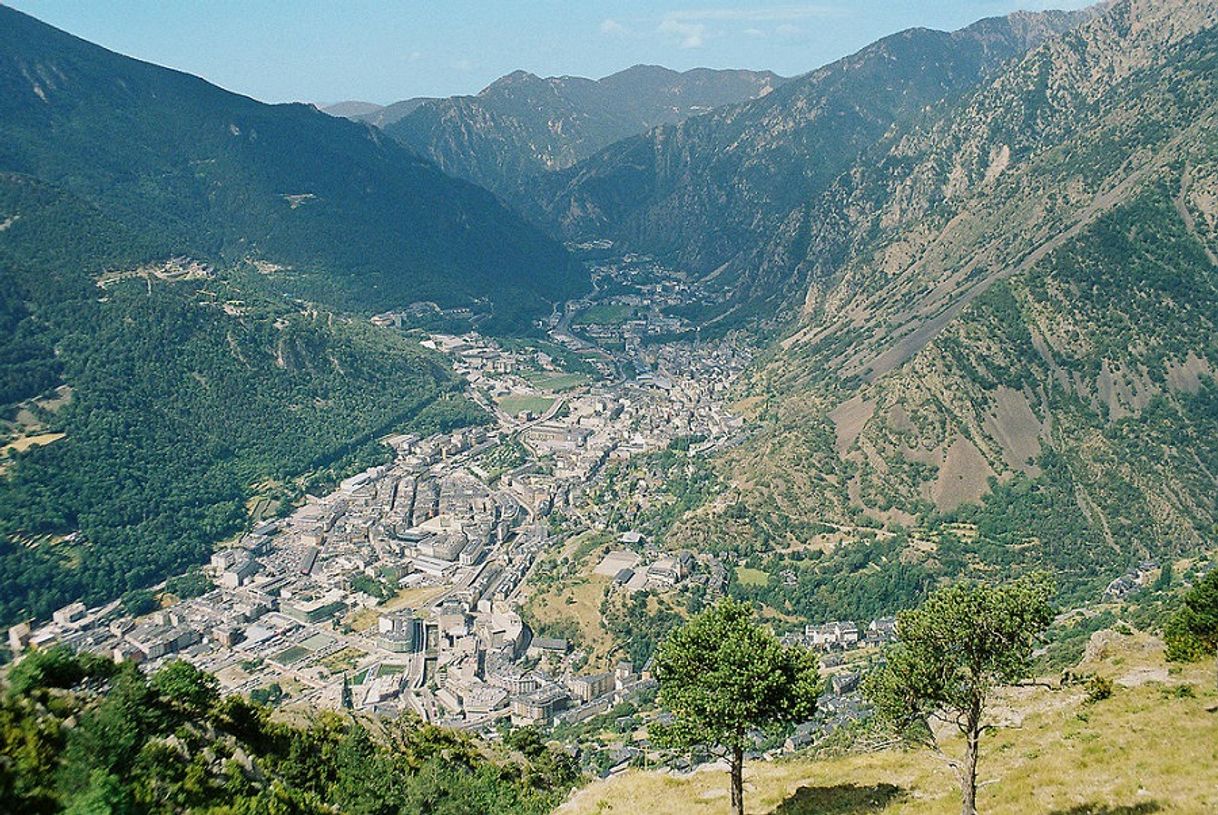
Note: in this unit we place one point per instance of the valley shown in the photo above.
(569, 443)
(415, 588)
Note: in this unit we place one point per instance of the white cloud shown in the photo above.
(753, 32)
(787, 31)
(688, 34)
(463, 65)
(611, 26)
(763, 14)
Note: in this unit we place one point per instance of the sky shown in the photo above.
(324, 52)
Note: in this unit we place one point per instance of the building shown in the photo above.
(155, 640)
(238, 574)
(556, 436)
(586, 688)
(19, 637)
(835, 634)
(312, 611)
(548, 646)
(307, 559)
(401, 633)
(70, 614)
(538, 707)
(631, 538)
(881, 630)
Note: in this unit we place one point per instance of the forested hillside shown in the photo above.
(177, 264)
(80, 734)
(187, 397)
(352, 218)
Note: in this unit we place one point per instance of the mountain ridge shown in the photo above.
(1007, 321)
(733, 160)
(364, 222)
(523, 124)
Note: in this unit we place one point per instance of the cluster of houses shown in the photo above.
(1132, 581)
(846, 635)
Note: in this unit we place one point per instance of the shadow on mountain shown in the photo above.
(842, 799)
(1144, 808)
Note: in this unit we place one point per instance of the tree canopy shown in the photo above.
(964, 642)
(723, 676)
(1192, 632)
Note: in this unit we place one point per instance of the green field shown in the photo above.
(317, 642)
(751, 577)
(519, 403)
(606, 314)
(555, 382)
(292, 655)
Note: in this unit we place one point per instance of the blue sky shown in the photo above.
(384, 51)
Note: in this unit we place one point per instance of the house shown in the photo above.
(844, 683)
(881, 630)
(631, 538)
(830, 635)
(666, 571)
(1123, 586)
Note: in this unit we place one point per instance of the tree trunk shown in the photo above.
(968, 767)
(737, 769)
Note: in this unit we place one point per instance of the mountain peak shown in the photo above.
(517, 77)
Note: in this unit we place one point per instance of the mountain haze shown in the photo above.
(708, 192)
(523, 124)
(376, 115)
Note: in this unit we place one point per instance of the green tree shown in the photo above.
(54, 667)
(721, 676)
(1192, 632)
(139, 602)
(187, 688)
(965, 641)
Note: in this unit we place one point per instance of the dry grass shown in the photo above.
(1145, 750)
(415, 598)
(578, 600)
(26, 442)
(362, 619)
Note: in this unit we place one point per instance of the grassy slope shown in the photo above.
(1143, 751)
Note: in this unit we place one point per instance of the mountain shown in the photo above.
(523, 124)
(707, 192)
(382, 117)
(352, 109)
(1005, 341)
(185, 278)
(361, 222)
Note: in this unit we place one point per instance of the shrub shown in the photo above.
(1098, 689)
